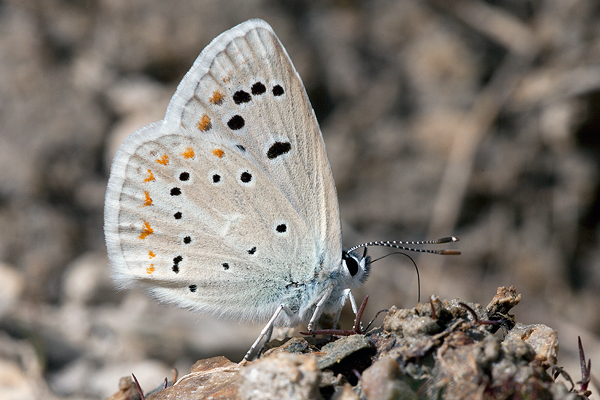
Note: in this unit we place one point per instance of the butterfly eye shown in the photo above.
(351, 263)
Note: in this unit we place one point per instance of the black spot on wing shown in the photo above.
(258, 88)
(241, 96)
(236, 122)
(277, 149)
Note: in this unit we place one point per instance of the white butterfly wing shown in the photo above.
(228, 205)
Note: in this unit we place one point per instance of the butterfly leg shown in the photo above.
(347, 294)
(355, 308)
(319, 308)
(268, 329)
(267, 338)
(336, 319)
(352, 302)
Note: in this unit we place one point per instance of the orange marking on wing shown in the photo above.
(147, 200)
(188, 153)
(216, 98)
(146, 230)
(151, 254)
(164, 160)
(218, 152)
(150, 269)
(204, 124)
(150, 177)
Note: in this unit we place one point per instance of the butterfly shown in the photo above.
(228, 205)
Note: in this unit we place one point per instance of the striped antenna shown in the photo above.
(397, 244)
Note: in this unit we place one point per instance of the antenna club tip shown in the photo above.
(449, 252)
(447, 239)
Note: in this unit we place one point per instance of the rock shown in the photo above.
(347, 356)
(449, 354)
(214, 378)
(381, 382)
(281, 376)
(542, 339)
(290, 345)
(127, 390)
(345, 393)
(336, 352)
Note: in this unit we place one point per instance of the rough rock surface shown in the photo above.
(437, 350)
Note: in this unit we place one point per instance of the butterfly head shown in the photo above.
(355, 267)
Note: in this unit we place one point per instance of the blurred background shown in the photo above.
(472, 118)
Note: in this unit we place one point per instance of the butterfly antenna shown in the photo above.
(401, 245)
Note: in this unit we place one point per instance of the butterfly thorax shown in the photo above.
(302, 298)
